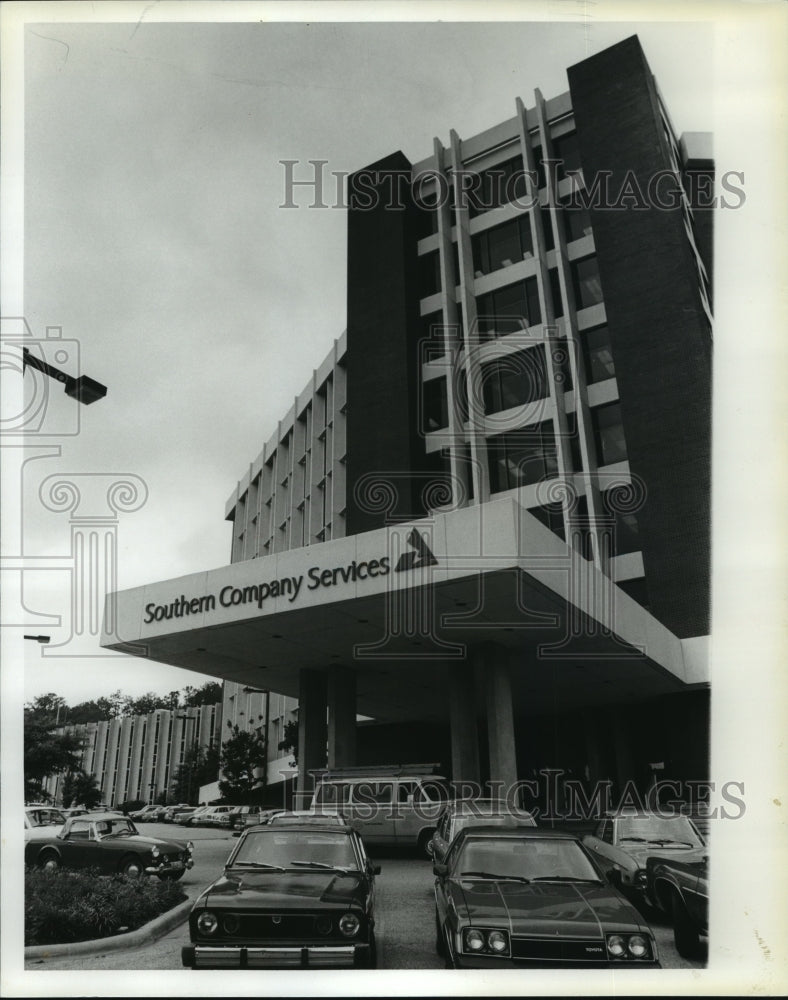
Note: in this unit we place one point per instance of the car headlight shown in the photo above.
(638, 946)
(498, 942)
(473, 940)
(155, 851)
(489, 942)
(190, 847)
(349, 924)
(207, 922)
(632, 946)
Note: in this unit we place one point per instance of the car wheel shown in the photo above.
(424, 838)
(131, 867)
(49, 861)
(440, 943)
(685, 934)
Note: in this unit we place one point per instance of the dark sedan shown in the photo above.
(111, 843)
(291, 897)
(681, 890)
(532, 898)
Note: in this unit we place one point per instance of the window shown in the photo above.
(598, 354)
(555, 291)
(585, 279)
(502, 245)
(609, 431)
(551, 517)
(522, 457)
(436, 405)
(514, 380)
(627, 535)
(566, 149)
(577, 221)
(429, 274)
(547, 225)
(426, 216)
(509, 309)
(496, 186)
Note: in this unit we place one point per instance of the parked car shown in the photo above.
(146, 814)
(394, 806)
(462, 813)
(195, 818)
(218, 816)
(111, 843)
(306, 817)
(181, 815)
(40, 821)
(513, 897)
(681, 890)
(623, 841)
(168, 816)
(291, 896)
(258, 815)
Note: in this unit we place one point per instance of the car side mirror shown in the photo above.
(440, 870)
(375, 869)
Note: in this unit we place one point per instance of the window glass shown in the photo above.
(513, 307)
(577, 221)
(609, 428)
(598, 354)
(551, 517)
(429, 274)
(502, 245)
(627, 535)
(566, 149)
(549, 242)
(521, 457)
(373, 791)
(514, 380)
(436, 404)
(405, 791)
(587, 286)
(496, 186)
(555, 290)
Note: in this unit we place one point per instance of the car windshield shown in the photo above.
(530, 859)
(115, 828)
(296, 849)
(666, 831)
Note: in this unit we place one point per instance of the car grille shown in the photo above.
(274, 926)
(548, 949)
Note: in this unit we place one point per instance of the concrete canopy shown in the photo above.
(401, 605)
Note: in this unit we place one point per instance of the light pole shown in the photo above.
(84, 389)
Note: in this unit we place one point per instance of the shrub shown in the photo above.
(64, 906)
(131, 805)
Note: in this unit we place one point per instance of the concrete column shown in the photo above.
(622, 749)
(311, 731)
(341, 716)
(464, 730)
(492, 663)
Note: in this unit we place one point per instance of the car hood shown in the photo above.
(286, 890)
(138, 840)
(546, 908)
(639, 852)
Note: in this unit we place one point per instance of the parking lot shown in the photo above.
(404, 907)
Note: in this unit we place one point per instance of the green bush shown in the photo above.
(63, 906)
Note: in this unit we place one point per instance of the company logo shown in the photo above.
(420, 556)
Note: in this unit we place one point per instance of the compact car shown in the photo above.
(112, 844)
(40, 820)
(623, 841)
(513, 897)
(461, 813)
(681, 890)
(291, 897)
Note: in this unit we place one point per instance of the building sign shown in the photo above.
(291, 586)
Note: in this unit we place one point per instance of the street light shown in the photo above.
(84, 389)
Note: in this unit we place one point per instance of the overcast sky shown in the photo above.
(154, 236)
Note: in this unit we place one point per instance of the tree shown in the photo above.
(46, 752)
(242, 755)
(208, 694)
(290, 741)
(200, 767)
(81, 789)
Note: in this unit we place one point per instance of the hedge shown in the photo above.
(64, 906)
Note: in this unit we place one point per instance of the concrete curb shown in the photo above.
(143, 935)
